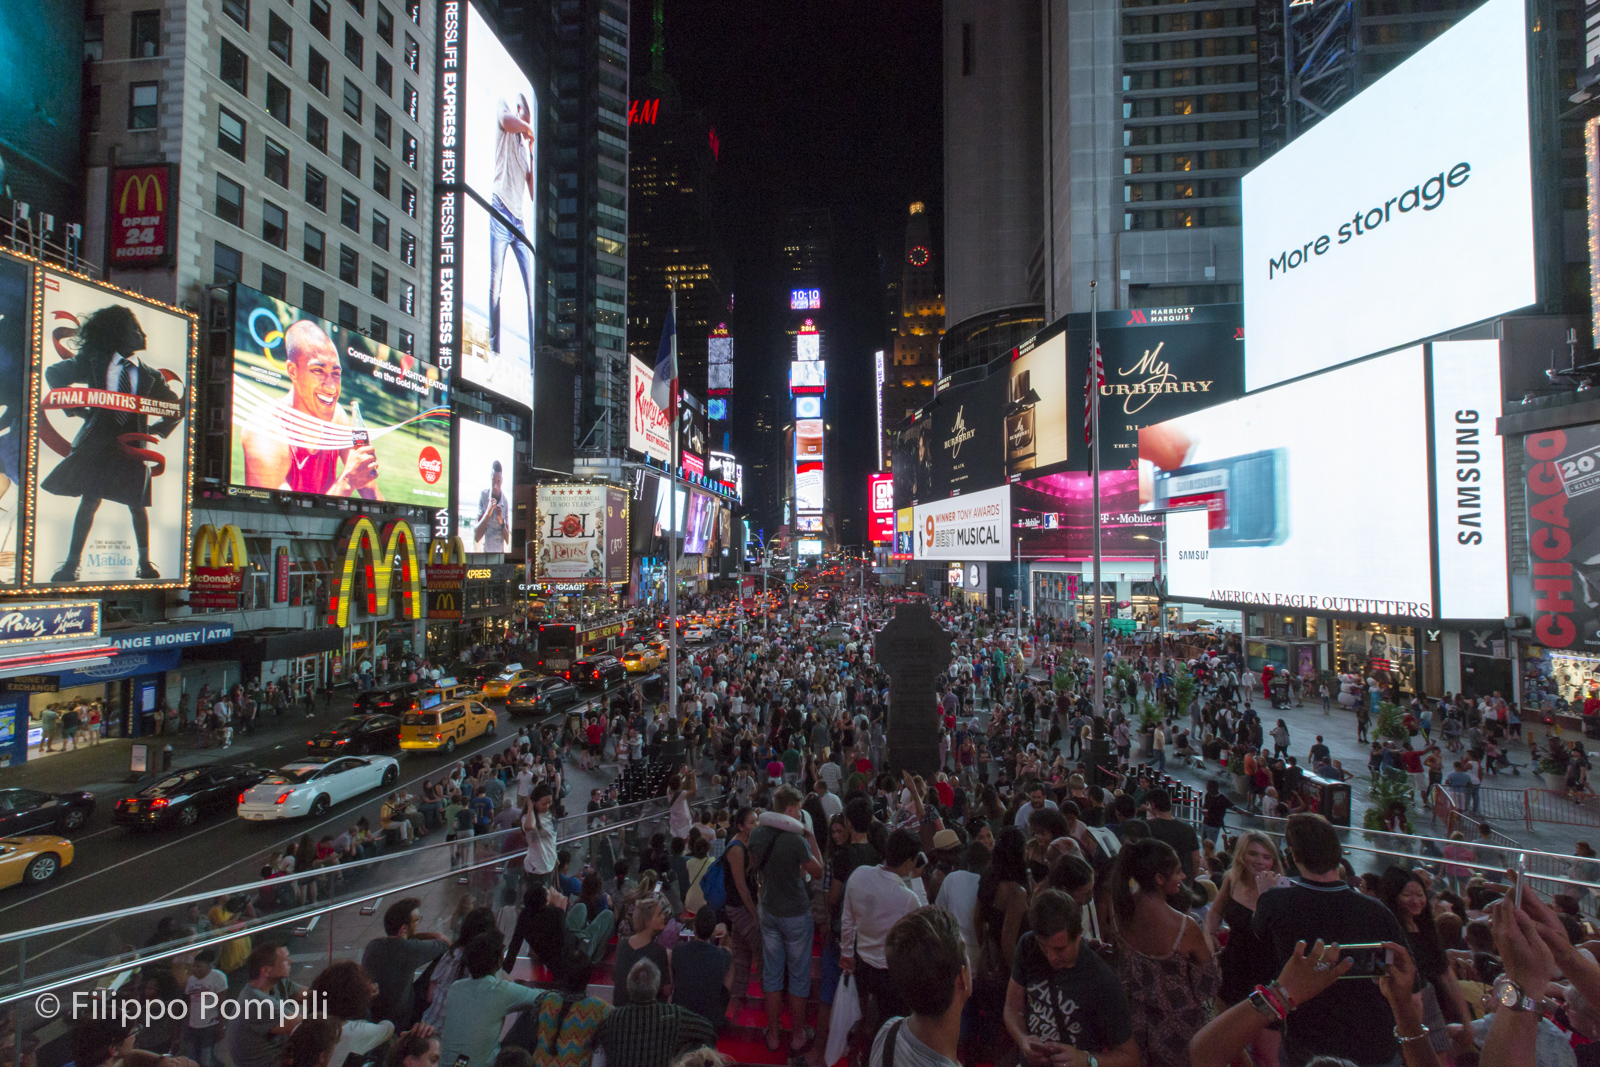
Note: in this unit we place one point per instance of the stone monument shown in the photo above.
(914, 650)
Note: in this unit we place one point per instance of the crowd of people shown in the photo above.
(1034, 896)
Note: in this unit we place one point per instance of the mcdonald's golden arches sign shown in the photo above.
(359, 543)
(139, 222)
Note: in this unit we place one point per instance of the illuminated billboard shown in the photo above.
(808, 435)
(1251, 519)
(808, 377)
(804, 299)
(1413, 205)
(808, 407)
(880, 508)
(719, 362)
(973, 526)
(485, 459)
(809, 546)
(16, 342)
(717, 409)
(808, 486)
(486, 219)
(809, 523)
(648, 429)
(323, 410)
(570, 532)
(110, 441)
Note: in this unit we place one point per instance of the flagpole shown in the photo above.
(672, 533)
(1094, 478)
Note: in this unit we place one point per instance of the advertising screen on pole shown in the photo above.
(1257, 516)
(488, 208)
(324, 410)
(570, 524)
(111, 440)
(484, 464)
(973, 526)
(880, 508)
(1412, 205)
(16, 341)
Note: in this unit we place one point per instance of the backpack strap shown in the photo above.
(889, 1042)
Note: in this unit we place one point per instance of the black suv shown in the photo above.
(541, 696)
(596, 672)
(389, 699)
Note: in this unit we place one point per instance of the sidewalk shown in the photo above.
(102, 768)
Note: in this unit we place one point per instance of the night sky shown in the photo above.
(834, 104)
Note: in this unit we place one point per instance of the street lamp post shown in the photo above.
(1161, 588)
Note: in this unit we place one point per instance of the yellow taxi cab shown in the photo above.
(442, 727)
(445, 690)
(501, 684)
(640, 660)
(33, 859)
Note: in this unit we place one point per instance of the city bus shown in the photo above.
(561, 644)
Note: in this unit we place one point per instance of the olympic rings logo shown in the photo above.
(274, 334)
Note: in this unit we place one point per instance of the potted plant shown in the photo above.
(1386, 791)
(1390, 725)
(1241, 784)
(1149, 717)
(1555, 779)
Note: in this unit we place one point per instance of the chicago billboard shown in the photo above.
(323, 410)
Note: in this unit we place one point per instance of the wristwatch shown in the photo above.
(1510, 995)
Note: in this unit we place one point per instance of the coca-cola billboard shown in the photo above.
(648, 430)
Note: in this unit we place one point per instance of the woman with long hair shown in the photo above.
(1164, 960)
(1246, 961)
(450, 966)
(1405, 894)
(999, 917)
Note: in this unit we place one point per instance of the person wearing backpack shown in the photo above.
(737, 888)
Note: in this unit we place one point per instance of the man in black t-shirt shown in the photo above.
(1062, 998)
(1215, 809)
(1180, 835)
(1319, 904)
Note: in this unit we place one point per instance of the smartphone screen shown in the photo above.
(1370, 959)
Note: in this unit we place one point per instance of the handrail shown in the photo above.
(141, 956)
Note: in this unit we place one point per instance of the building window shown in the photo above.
(359, 5)
(316, 129)
(316, 188)
(227, 264)
(230, 133)
(277, 100)
(407, 342)
(380, 230)
(355, 46)
(382, 126)
(380, 178)
(145, 40)
(408, 199)
(383, 74)
(230, 200)
(350, 157)
(352, 99)
(347, 315)
(408, 248)
(238, 11)
(311, 300)
(274, 224)
(317, 70)
(349, 265)
(414, 11)
(408, 298)
(378, 330)
(277, 166)
(408, 150)
(280, 37)
(274, 282)
(409, 95)
(235, 68)
(380, 283)
(314, 248)
(413, 55)
(385, 24)
(350, 212)
(142, 106)
(321, 19)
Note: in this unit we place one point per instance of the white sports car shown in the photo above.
(312, 785)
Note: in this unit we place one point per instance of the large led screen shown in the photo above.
(965, 444)
(496, 307)
(678, 514)
(1405, 213)
(809, 492)
(570, 524)
(1309, 495)
(1040, 407)
(324, 410)
(808, 377)
(484, 464)
(1469, 480)
(110, 496)
(1054, 517)
(702, 515)
(974, 526)
(16, 301)
(880, 508)
(649, 431)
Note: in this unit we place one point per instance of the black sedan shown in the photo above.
(358, 735)
(393, 699)
(181, 798)
(541, 696)
(596, 672)
(28, 811)
(477, 673)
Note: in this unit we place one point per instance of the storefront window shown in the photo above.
(1375, 650)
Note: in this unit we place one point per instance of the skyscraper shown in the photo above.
(911, 368)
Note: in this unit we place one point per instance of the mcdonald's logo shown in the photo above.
(446, 550)
(358, 542)
(144, 183)
(220, 547)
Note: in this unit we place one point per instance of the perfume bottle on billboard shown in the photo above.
(1021, 443)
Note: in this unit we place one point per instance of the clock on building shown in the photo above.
(918, 256)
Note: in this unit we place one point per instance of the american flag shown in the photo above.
(1095, 380)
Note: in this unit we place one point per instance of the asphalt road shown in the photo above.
(115, 867)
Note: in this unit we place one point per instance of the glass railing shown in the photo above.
(326, 913)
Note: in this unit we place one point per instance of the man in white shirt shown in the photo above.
(513, 187)
(875, 898)
(1036, 802)
(958, 894)
(831, 804)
